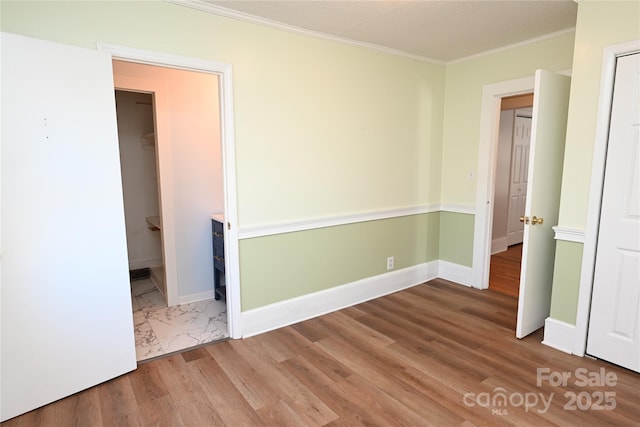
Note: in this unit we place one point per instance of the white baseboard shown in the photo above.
(559, 335)
(455, 273)
(187, 299)
(499, 245)
(145, 263)
(295, 310)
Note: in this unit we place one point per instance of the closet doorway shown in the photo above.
(138, 168)
(510, 192)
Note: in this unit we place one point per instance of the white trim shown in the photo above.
(277, 315)
(463, 209)
(487, 151)
(163, 59)
(251, 232)
(311, 224)
(499, 245)
(253, 19)
(224, 72)
(568, 234)
(609, 58)
(566, 72)
(246, 17)
(456, 273)
(201, 296)
(558, 335)
(514, 45)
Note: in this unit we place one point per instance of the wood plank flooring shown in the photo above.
(504, 271)
(437, 354)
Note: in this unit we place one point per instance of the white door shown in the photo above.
(66, 306)
(518, 181)
(614, 325)
(549, 125)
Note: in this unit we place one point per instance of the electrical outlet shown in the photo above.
(390, 262)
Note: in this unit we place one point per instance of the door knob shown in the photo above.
(524, 219)
(535, 220)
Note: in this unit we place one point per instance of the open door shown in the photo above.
(550, 105)
(67, 321)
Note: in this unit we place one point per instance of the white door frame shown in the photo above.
(224, 73)
(492, 95)
(609, 57)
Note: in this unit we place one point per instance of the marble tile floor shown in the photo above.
(161, 330)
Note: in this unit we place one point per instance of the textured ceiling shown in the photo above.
(442, 30)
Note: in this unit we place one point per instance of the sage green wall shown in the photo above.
(289, 265)
(456, 238)
(566, 281)
(600, 24)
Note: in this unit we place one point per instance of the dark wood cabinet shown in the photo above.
(217, 234)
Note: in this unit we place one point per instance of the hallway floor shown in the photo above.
(504, 272)
(161, 330)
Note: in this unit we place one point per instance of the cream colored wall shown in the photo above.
(322, 129)
(600, 24)
(462, 105)
(462, 127)
(348, 129)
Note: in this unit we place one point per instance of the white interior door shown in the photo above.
(549, 125)
(518, 178)
(614, 325)
(66, 306)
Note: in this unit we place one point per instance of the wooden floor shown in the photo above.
(436, 354)
(504, 271)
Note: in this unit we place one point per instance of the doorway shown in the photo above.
(510, 191)
(138, 168)
(542, 204)
(223, 72)
(177, 188)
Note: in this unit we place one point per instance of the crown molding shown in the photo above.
(512, 46)
(241, 16)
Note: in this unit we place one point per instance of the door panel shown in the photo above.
(518, 182)
(550, 105)
(66, 306)
(614, 325)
